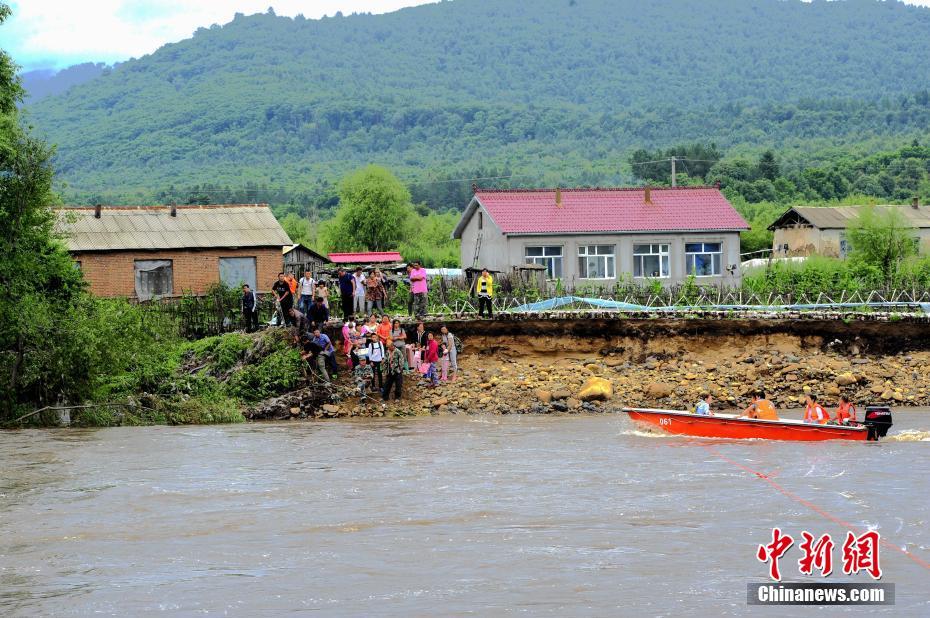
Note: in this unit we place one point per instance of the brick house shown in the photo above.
(601, 236)
(153, 251)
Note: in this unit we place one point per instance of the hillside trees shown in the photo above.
(563, 94)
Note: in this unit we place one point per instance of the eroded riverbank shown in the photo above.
(541, 366)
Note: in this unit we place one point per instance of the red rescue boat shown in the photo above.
(875, 426)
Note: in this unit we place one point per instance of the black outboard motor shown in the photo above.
(878, 421)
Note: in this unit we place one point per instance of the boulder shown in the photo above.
(572, 403)
(596, 389)
(442, 401)
(593, 368)
(330, 408)
(846, 379)
(560, 394)
(658, 390)
(543, 396)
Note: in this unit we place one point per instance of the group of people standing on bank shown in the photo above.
(380, 352)
(304, 302)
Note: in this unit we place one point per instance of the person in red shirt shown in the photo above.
(846, 411)
(431, 356)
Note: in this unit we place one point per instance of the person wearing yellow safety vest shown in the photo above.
(484, 287)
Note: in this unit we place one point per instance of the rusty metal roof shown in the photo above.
(839, 217)
(153, 227)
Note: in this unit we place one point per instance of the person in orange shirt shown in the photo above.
(384, 329)
(292, 282)
(814, 412)
(760, 408)
(846, 411)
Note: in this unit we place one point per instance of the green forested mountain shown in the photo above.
(552, 91)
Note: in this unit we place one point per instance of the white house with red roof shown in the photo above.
(600, 236)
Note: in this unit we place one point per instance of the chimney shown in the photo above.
(648, 191)
(558, 197)
(174, 210)
(717, 185)
(97, 209)
(915, 203)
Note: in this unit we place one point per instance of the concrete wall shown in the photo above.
(801, 241)
(493, 251)
(502, 253)
(805, 241)
(112, 273)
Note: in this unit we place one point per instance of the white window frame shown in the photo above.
(606, 261)
(547, 258)
(691, 257)
(661, 249)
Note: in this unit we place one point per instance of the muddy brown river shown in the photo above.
(560, 516)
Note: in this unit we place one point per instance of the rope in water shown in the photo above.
(820, 511)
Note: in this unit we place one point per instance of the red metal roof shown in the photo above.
(365, 258)
(534, 211)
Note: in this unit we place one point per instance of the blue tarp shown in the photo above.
(563, 301)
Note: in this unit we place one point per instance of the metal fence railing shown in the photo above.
(219, 312)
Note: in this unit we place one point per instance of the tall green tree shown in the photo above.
(39, 284)
(883, 239)
(373, 215)
(768, 166)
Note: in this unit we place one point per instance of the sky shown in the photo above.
(58, 33)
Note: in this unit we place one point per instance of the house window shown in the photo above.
(234, 271)
(702, 259)
(153, 278)
(480, 220)
(550, 257)
(651, 261)
(845, 247)
(596, 262)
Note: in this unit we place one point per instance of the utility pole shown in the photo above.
(674, 183)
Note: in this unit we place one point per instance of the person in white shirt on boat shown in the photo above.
(814, 412)
(703, 406)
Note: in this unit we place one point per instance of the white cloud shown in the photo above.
(58, 33)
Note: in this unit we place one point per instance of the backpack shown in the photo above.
(459, 346)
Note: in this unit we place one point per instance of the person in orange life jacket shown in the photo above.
(814, 412)
(846, 411)
(760, 408)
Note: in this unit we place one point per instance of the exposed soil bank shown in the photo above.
(540, 366)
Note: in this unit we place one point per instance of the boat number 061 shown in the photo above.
(665, 421)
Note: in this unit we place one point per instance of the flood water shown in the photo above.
(563, 516)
